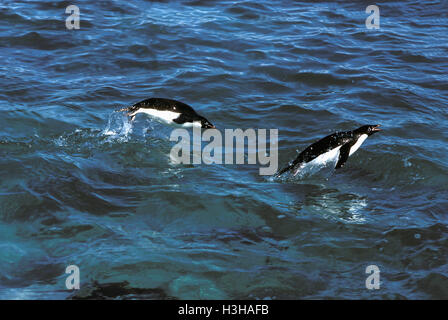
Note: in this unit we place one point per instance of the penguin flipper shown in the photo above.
(343, 155)
(181, 119)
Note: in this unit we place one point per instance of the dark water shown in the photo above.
(80, 186)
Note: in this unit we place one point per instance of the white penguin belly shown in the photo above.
(324, 158)
(319, 161)
(358, 143)
(166, 116)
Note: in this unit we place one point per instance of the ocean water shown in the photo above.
(80, 185)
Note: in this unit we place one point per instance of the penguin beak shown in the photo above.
(376, 128)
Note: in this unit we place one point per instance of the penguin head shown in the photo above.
(206, 124)
(368, 129)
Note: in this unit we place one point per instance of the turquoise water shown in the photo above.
(80, 185)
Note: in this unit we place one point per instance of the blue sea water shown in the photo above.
(81, 185)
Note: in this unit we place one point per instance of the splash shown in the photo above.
(118, 126)
(118, 129)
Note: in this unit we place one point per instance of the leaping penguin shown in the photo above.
(342, 143)
(168, 111)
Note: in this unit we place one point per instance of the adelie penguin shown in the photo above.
(169, 111)
(339, 144)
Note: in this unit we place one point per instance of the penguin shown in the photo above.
(169, 111)
(338, 144)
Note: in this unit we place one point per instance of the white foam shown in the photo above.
(117, 126)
